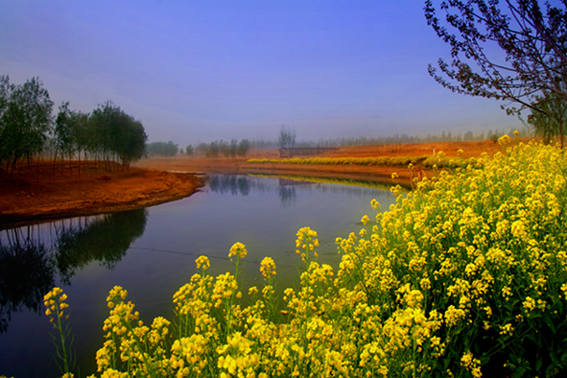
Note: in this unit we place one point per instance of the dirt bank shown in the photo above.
(40, 193)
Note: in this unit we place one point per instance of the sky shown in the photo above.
(201, 70)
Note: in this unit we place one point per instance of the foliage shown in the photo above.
(163, 149)
(222, 148)
(464, 276)
(71, 134)
(26, 124)
(25, 120)
(519, 49)
(243, 147)
(189, 150)
(552, 121)
(117, 133)
(287, 137)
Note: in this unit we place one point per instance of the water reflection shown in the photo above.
(287, 195)
(32, 257)
(26, 274)
(286, 186)
(232, 184)
(106, 240)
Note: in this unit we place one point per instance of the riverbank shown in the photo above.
(41, 193)
(382, 174)
(379, 173)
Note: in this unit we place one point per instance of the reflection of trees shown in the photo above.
(28, 268)
(106, 241)
(287, 187)
(236, 184)
(287, 195)
(26, 274)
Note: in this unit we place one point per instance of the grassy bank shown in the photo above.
(465, 275)
(426, 161)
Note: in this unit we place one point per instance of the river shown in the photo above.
(151, 252)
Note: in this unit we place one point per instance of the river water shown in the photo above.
(151, 253)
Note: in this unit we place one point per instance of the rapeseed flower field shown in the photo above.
(464, 276)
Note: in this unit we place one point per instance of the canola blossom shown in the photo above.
(463, 277)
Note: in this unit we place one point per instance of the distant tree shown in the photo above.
(224, 148)
(25, 120)
(287, 137)
(213, 150)
(189, 150)
(233, 148)
(162, 149)
(518, 48)
(202, 149)
(243, 147)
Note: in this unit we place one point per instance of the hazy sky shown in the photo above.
(197, 71)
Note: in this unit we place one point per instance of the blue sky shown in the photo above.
(197, 71)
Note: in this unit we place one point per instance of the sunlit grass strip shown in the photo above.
(427, 161)
(463, 276)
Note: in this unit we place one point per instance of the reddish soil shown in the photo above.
(40, 192)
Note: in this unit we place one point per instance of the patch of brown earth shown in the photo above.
(41, 192)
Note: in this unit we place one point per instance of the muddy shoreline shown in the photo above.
(38, 194)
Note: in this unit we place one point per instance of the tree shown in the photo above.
(131, 141)
(202, 149)
(213, 150)
(287, 137)
(552, 121)
(189, 150)
(25, 120)
(64, 140)
(243, 147)
(518, 48)
(168, 149)
(233, 148)
(117, 134)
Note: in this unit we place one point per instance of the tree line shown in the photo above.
(220, 148)
(28, 128)
(216, 149)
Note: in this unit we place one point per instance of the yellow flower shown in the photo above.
(504, 140)
(238, 249)
(268, 267)
(203, 262)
